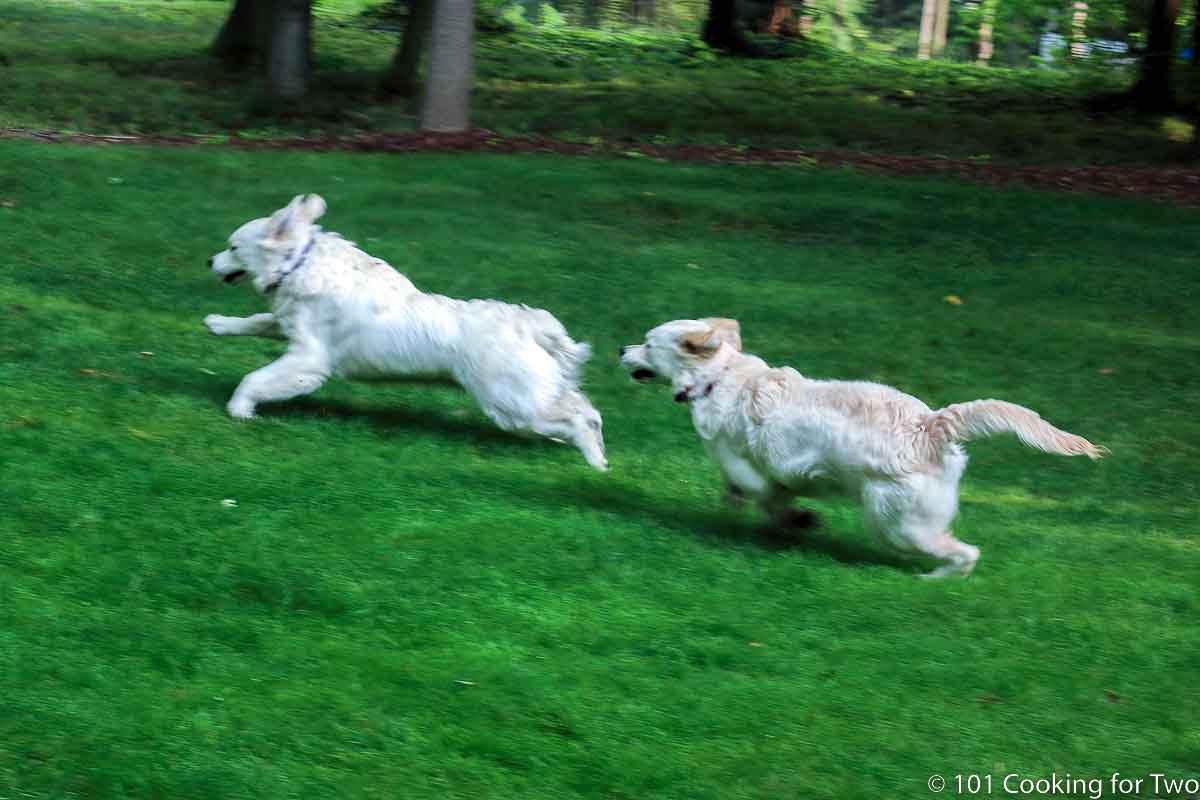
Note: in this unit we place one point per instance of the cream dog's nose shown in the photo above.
(210, 260)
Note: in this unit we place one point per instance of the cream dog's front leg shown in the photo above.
(256, 325)
(744, 481)
(296, 373)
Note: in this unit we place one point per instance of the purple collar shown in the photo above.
(686, 396)
(295, 265)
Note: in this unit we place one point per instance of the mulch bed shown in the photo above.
(1178, 185)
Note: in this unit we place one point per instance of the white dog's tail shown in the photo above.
(552, 337)
(962, 422)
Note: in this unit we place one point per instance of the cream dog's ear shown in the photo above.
(720, 331)
(727, 331)
(302, 211)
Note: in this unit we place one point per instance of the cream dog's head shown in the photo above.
(267, 249)
(674, 351)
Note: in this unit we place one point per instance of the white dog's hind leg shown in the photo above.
(256, 325)
(291, 376)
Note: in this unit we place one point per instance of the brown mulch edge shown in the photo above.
(1177, 185)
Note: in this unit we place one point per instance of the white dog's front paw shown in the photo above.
(218, 324)
(240, 409)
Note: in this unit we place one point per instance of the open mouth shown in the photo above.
(644, 375)
(234, 276)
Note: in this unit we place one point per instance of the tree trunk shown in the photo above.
(1196, 40)
(404, 75)
(592, 8)
(782, 21)
(447, 103)
(985, 32)
(1153, 89)
(941, 21)
(240, 42)
(925, 40)
(643, 11)
(720, 29)
(288, 59)
(840, 24)
(1079, 43)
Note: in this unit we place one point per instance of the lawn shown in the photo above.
(142, 66)
(405, 602)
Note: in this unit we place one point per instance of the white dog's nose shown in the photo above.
(623, 349)
(210, 260)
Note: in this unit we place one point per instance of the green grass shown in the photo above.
(406, 602)
(142, 66)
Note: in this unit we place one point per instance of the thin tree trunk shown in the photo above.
(720, 29)
(985, 32)
(239, 43)
(925, 40)
(447, 103)
(782, 21)
(840, 19)
(1196, 40)
(288, 60)
(1153, 89)
(940, 23)
(643, 11)
(1079, 38)
(404, 75)
(592, 8)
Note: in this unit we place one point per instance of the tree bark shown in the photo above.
(1153, 89)
(782, 21)
(240, 41)
(447, 102)
(1196, 40)
(941, 21)
(720, 29)
(288, 58)
(404, 75)
(643, 11)
(925, 39)
(985, 33)
(839, 23)
(1079, 44)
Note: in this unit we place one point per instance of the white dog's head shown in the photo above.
(265, 248)
(675, 350)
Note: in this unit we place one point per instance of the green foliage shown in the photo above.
(150, 71)
(551, 19)
(408, 603)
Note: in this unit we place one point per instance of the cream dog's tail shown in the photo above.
(552, 337)
(962, 422)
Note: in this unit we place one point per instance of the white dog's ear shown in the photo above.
(301, 212)
(720, 331)
(309, 207)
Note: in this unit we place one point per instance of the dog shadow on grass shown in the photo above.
(461, 425)
(712, 521)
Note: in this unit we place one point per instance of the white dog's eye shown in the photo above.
(233, 248)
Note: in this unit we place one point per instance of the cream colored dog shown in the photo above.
(346, 314)
(776, 434)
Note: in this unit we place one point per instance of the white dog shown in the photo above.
(349, 315)
(776, 434)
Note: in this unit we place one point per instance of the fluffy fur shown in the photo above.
(346, 314)
(776, 434)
